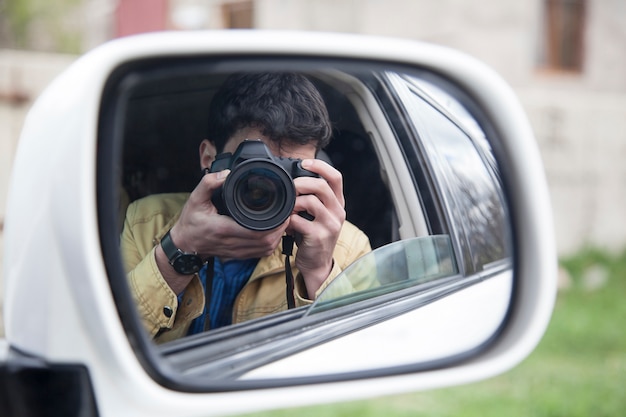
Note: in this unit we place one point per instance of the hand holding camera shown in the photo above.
(258, 197)
(259, 192)
(323, 199)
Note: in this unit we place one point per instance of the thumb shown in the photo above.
(208, 184)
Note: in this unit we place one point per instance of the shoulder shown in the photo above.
(352, 244)
(350, 232)
(156, 205)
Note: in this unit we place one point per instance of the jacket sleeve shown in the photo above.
(154, 299)
(156, 303)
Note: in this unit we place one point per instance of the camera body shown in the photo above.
(259, 193)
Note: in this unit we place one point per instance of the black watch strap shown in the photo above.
(182, 262)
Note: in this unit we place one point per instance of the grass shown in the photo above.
(578, 369)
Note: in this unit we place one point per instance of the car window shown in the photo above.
(459, 159)
(462, 168)
(393, 267)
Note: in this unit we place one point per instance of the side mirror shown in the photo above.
(440, 170)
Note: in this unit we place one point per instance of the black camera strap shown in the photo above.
(208, 291)
(287, 251)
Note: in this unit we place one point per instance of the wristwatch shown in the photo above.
(184, 263)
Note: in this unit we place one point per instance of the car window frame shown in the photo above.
(460, 235)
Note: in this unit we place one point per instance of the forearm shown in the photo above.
(155, 300)
(351, 246)
(177, 282)
(315, 277)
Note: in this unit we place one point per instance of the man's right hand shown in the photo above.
(202, 230)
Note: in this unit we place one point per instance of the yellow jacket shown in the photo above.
(147, 221)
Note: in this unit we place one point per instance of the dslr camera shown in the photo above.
(259, 193)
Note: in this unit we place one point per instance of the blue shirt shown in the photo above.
(228, 280)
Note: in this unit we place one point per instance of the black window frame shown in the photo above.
(469, 261)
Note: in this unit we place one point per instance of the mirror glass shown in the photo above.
(422, 260)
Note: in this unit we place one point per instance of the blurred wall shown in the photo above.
(579, 118)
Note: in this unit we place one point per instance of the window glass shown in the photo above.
(465, 176)
(391, 268)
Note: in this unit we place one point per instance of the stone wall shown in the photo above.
(582, 139)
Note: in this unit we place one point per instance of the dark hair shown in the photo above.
(284, 106)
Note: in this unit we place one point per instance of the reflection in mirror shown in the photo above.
(399, 149)
(220, 255)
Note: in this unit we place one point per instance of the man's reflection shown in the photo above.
(191, 269)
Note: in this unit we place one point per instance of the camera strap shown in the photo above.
(287, 251)
(208, 290)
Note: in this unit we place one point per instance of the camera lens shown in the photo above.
(258, 191)
(259, 194)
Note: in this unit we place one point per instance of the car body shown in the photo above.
(429, 143)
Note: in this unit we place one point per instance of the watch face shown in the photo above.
(187, 264)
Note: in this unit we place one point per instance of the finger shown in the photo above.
(250, 244)
(332, 176)
(331, 220)
(207, 186)
(320, 189)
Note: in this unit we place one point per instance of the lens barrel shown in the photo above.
(259, 194)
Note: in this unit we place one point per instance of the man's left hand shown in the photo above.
(323, 199)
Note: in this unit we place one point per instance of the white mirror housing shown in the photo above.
(59, 305)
